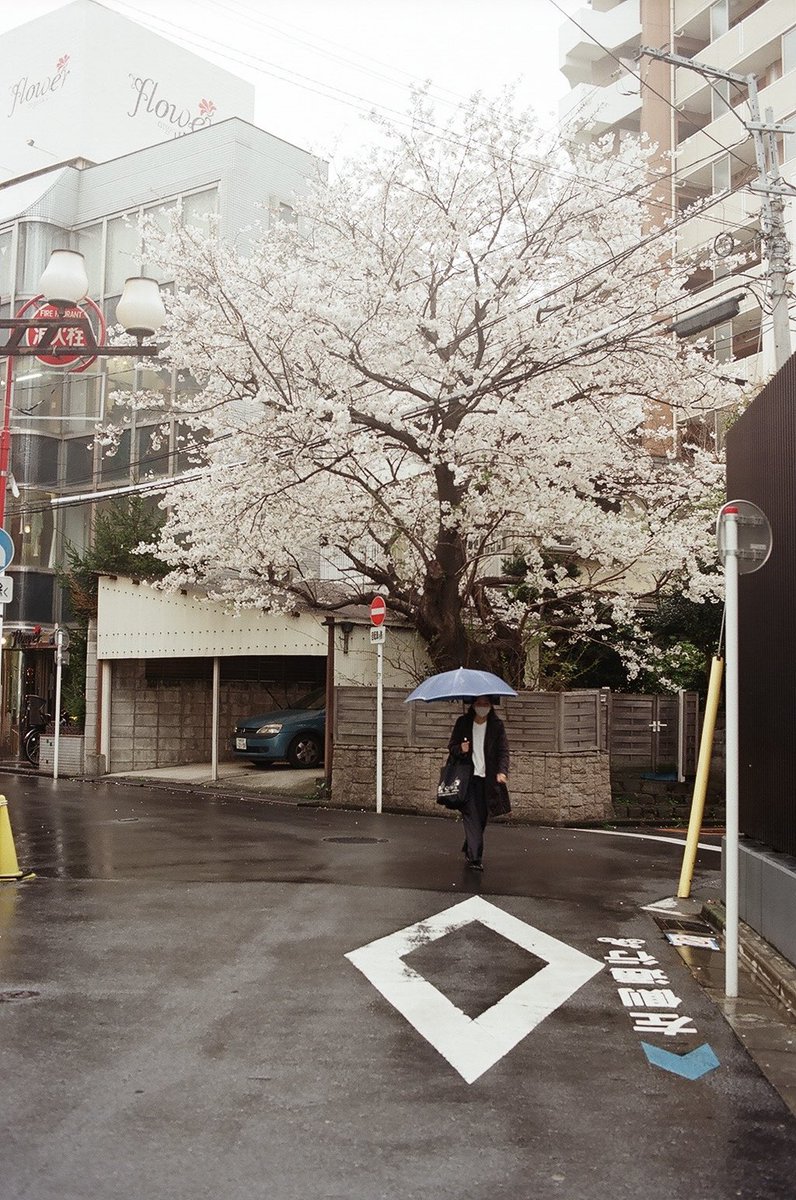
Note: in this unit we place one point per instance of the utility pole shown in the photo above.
(770, 186)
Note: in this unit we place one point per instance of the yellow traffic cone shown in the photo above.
(9, 867)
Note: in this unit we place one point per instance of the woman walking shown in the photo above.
(481, 735)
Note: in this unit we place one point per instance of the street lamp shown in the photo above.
(55, 327)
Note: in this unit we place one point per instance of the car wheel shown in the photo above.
(305, 751)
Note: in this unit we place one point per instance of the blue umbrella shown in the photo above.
(462, 684)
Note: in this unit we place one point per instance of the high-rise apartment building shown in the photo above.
(700, 124)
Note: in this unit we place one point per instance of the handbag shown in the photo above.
(454, 780)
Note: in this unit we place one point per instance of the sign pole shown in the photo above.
(6, 556)
(744, 537)
(379, 721)
(730, 516)
(59, 662)
(378, 615)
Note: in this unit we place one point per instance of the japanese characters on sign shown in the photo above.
(70, 337)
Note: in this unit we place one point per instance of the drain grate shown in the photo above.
(8, 997)
(356, 841)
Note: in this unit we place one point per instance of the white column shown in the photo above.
(105, 714)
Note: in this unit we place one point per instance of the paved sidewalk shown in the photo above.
(274, 779)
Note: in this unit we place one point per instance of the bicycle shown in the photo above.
(31, 742)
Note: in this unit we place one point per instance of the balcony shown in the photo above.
(728, 129)
(746, 48)
(615, 28)
(599, 109)
(736, 211)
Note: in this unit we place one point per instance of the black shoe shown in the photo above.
(475, 864)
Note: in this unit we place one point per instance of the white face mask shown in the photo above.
(482, 710)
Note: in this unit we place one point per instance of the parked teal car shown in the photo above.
(294, 735)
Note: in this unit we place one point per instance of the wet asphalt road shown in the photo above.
(181, 1020)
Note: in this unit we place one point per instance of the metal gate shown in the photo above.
(660, 732)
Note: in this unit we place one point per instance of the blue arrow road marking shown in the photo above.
(691, 1066)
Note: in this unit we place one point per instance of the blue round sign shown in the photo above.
(6, 550)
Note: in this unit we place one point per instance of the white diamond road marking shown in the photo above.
(473, 1045)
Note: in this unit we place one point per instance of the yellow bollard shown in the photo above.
(9, 867)
(701, 781)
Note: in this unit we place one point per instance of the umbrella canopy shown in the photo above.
(462, 684)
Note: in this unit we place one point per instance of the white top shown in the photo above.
(479, 762)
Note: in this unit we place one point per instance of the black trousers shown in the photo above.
(475, 815)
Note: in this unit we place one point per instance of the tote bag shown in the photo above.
(454, 780)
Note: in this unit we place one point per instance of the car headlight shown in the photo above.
(268, 730)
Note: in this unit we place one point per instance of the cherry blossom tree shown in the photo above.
(452, 380)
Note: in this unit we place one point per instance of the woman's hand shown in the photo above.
(501, 778)
(465, 747)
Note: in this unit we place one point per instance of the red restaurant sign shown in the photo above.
(70, 337)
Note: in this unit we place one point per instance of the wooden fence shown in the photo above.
(537, 722)
(656, 731)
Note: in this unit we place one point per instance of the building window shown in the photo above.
(721, 174)
(199, 209)
(160, 216)
(719, 19)
(722, 342)
(32, 530)
(89, 243)
(5, 263)
(788, 148)
(719, 98)
(36, 243)
(122, 254)
(789, 51)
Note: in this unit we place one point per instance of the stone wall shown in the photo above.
(549, 788)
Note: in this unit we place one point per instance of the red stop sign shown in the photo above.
(378, 610)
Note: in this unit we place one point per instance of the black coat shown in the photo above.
(496, 756)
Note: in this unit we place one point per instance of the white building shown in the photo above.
(142, 131)
(694, 119)
(84, 82)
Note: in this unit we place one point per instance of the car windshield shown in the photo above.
(313, 700)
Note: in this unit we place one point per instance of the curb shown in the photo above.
(767, 965)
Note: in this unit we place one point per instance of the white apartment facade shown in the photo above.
(698, 124)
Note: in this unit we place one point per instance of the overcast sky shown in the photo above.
(319, 64)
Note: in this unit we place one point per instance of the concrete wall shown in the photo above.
(546, 788)
(767, 895)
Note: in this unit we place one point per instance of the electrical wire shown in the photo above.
(399, 118)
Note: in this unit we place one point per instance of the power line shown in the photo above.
(363, 104)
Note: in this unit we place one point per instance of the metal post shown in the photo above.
(379, 721)
(328, 737)
(701, 781)
(216, 701)
(59, 663)
(779, 253)
(730, 518)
